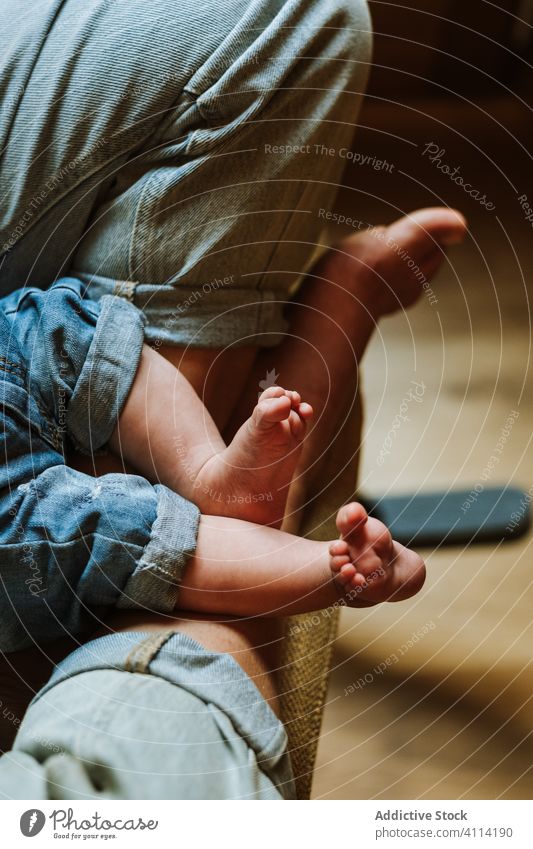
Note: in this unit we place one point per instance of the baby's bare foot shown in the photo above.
(368, 566)
(388, 268)
(250, 479)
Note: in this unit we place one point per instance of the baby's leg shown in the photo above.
(166, 432)
(260, 571)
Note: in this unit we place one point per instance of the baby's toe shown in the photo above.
(270, 411)
(272, 392)
(305, 411)
(358, 581)
(297, 426)
(338, 562)
(346, 574)
(350, 518)
(338, 546)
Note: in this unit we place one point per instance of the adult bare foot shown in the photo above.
(250, 478)
(368, 566)
(388, 268)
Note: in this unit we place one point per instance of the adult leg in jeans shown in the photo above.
(148, 715)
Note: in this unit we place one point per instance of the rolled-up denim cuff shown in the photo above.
(209, 315)
(107, 374)
(154, 584)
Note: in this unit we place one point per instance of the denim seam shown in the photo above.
(12, 368)
(135, 227)
(11, 363)
(51, 430)
(81, 538)
(157, 315)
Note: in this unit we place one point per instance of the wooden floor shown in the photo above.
(451, 715)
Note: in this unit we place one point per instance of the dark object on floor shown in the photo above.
(454, 517)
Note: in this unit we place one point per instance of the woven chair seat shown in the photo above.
(309, 638)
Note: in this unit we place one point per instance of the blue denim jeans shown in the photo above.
(72, 546)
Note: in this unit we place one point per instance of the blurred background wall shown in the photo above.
(451, 715)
